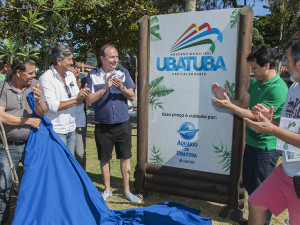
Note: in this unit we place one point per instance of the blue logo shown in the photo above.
(118, 76)
(187, 130)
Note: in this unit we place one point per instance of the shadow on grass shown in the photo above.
(117, 201)
(116, 183)
(208, 209)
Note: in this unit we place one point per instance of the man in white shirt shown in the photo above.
(62, 94)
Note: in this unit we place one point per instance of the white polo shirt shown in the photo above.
(54, 89)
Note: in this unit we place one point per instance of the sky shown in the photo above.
(259, 10)
(258, 7)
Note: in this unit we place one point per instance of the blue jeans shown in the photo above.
(17, 155)
(257, 165)
(69, 140)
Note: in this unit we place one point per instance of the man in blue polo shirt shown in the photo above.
(110, 87)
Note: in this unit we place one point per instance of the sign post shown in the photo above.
(186, 145)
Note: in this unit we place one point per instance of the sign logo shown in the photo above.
(195, 36)
(187, 130)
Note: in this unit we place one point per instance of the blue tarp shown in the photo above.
(56, 190)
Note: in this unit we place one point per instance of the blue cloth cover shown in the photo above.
(56, 190)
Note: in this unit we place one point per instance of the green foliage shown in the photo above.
(225, 156)
(28, 53)
(231, 89)
(33, 21)
(156, 90)
(171, 6)
(59, 5)
(234, 19)
(278, 27)
(16, 51)
(36, 25)
(155, 82)
(160, 90)
(9, 48)
(257, 38)
(86, 25)
(156, 156)
(154, 28)
(153, 20)
(94, 23)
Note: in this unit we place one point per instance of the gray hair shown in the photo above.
(60, 52)
(294, 44)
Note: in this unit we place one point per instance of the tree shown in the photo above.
(86, 25)
(93, 23)
(280, 25)
(33, 25)
(257, 38)
(190, 5)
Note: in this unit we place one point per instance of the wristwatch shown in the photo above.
(122, 88)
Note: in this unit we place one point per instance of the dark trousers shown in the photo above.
(257, 165)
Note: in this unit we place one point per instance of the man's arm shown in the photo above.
(10, 119)
(82, 95)
(96, 96)
(76, 73)
(238, 107)
(128, 93)
(263, 125)
(266, 112)
(67, 104)
(220, 94)
(40, 106)
(51, 99)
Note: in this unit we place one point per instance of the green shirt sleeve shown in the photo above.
(275, 97)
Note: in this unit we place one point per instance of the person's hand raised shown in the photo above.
(37, 93)
(219, 91)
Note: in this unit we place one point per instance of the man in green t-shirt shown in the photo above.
(4, 68)
(269, 89)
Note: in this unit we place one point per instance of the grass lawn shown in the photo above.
(116, 202)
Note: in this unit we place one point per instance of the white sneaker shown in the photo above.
(132, 198)
(106, 195)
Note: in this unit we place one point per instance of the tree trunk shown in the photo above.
(190, 5)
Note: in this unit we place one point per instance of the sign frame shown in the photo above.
(204, 185)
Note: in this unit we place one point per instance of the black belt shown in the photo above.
(16, 143)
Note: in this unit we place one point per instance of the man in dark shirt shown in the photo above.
(16, 115)
(110, 87)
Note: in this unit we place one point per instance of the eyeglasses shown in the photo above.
(68, 91)
(20, 101)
